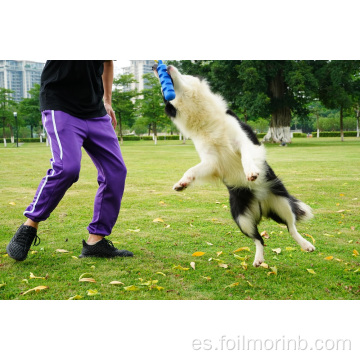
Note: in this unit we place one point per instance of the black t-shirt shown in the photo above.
(73, 86)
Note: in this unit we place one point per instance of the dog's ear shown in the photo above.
(170, 109)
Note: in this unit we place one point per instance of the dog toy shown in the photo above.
(165, 81)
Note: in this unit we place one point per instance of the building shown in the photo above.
(20, 76)
(138, 68)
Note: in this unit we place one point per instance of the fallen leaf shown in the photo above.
(274, 270)
(277, 250)
(88, 280)
(355, 253)
(232, 285)
(160, 273)
(198, 253)
(136, 230)
(91, 292)
(290, 249)
(12, 203)
(85, 275)
(131, 288)
(219, 253)
(36, 289)
(61, 251)
(265, 235)
(162, 203)
(2, 285)
(208, 278)
(116, 283)
(75, 257)
(313, 240)
(209, 243)
(264, 265)
(76, 297)
(357, 270)
(179, 267)
(242, 258)
(32, 276)
(244, 265)
(329, 258)
(225, 266)
(311, 271)
(242, 249)
(158, 220)
(250, 284)
(159, 288)
(192, 264)
(33, 252)
(25, 280)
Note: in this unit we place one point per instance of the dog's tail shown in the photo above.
(302, 211)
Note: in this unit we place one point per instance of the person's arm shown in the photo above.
(107, 78)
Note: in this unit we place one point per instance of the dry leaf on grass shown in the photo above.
(265, 235)
(264, 265)
(329, 258)
(277, 250)
(116, 283)
(160, 273)
(158, 220)
(219, 253)
(245, 248)
(136, 230)
(32, 276)
(208, 278)
(198, 253)
(355, 253)
(61, 251)
(313, 240)
(311, 271)
(76, 297)
(192, 264)
(36, 289)
(225, 266)
(274, 270)
(232, 285)
(179, 267)
(88, 280)
(131, 288)
(91, 292)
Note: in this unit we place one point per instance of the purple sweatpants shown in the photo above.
(67, 134)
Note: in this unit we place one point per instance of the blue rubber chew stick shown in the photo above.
(165, 81)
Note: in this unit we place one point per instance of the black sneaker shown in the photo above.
(103, 248)
(19, 245)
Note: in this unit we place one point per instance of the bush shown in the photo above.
(299, 135)
(168, 137)
(334, 133)
(260, 135)
(146, 137)
(130, 138)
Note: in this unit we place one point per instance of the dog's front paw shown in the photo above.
(307, 246)
(258, 261)
(252, 176)
(180, 186)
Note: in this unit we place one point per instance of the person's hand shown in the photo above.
(111, 113)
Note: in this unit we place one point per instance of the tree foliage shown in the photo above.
(7, 106)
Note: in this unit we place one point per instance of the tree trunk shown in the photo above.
(11, 134)
(32, 131)
(279, 130)
(155, 132)
(317, 124)
(357, 121)
(341, 124)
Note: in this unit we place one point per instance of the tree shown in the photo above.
(6, 107)
(123, 101)
(29, 109)
(151, 105)
(338, 85)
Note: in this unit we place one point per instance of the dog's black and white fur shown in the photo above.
(230, 151)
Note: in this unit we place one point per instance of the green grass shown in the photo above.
(324, 173)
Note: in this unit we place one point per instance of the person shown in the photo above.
(75, 102)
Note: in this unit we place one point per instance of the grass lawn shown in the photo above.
(324, 173)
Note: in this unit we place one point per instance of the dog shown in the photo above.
(230, 152)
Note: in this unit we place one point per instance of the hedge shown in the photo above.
(25, 140)
(334, 134)
(299, 135)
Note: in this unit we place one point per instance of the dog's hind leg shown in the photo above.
(245, 210)
(282, 211)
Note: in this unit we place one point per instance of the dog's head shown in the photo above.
(183, 84)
